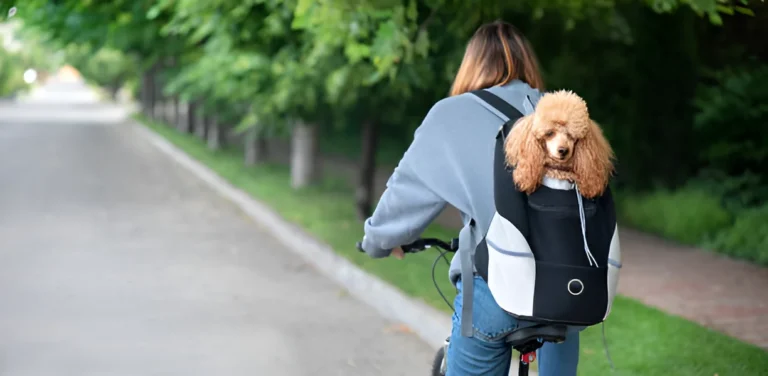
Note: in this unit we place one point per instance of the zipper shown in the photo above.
(589, 211)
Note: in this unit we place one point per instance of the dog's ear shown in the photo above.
(524, 153)
(593, 162)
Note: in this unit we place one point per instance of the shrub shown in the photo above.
(730, 123)
(689, 215)
(747, 238)
(11, 74)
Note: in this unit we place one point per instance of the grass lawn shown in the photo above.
(642, 340)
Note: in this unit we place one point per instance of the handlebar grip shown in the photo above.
(414, 247)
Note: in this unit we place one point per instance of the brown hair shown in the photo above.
(497, 54)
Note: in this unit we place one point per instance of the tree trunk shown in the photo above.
(148, 93)
(114, 89)
(157, 115)
(365, 192)
(159, 109)
(255, 147)
(159, 105)
(176, 114)
(305, 161)
(167, 110)
(214, 134)
(201, 124)
(188, 125)
(182, 117)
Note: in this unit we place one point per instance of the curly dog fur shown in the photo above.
(559, 140)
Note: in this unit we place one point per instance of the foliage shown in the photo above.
(689, 215)
(736, 192)
(32, 54)
(11, 73)
(267, 76)
(104, 67)
(748, 237)
(36, 53)
(707, 213)
(712, 9)
(732, 127)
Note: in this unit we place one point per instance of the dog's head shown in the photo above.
(559, 139)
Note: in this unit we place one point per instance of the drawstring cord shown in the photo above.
(583, 220)
(591, 258)
(605, 346)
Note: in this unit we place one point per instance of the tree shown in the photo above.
(105, 67)
(274, 66)
(261, 66)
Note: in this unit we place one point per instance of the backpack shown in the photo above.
(551, 257)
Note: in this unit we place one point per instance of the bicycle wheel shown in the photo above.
(437, 363)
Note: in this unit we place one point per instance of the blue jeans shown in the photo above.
(487, 354)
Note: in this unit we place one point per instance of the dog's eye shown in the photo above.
(549, 134)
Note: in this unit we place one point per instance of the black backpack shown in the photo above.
(553, 256)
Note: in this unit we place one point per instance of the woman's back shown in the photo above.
(452, 153)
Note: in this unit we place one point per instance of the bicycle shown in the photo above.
(525, 340)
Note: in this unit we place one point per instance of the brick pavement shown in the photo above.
(726, 295)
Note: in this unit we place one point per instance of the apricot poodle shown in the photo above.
(559, 140)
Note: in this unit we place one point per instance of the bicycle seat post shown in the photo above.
(523, 369)
(525, 362)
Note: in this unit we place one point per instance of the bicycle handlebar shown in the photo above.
(423, 244)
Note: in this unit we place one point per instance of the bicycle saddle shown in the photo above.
(529, 336)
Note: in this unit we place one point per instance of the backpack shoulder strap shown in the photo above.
(500, 108)
(494, 101)
(509, 114)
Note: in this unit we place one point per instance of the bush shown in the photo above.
(696, 215)
(730, 123)
(11, 74)
(689, 215)
(739, 192)
(747, 238)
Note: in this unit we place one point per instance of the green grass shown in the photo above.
(642, 340)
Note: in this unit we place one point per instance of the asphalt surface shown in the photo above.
(116, 261)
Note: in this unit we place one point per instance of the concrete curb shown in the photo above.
(428, 323)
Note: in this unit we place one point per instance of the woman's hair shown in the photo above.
(497, 54)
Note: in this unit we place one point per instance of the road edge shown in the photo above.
(431, 325)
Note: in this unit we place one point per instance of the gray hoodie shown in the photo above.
(450, 161)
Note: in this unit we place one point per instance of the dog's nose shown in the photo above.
(562, 151)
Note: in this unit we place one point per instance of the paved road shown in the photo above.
(115, 261)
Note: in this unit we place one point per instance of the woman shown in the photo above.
(450, 162)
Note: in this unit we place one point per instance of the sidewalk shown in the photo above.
(722, 294)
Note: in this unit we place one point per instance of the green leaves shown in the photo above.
(710, 8)
(103, 66)
(302, 57)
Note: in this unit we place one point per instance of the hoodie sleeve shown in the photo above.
(408, 205)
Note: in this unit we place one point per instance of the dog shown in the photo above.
(559, 140)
